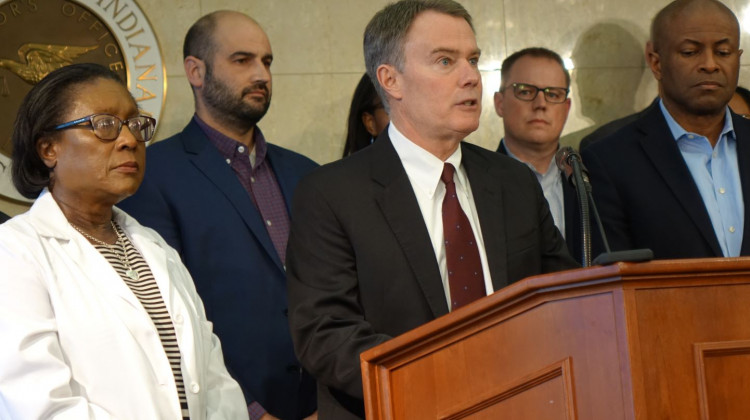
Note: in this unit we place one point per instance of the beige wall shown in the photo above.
(318, 60)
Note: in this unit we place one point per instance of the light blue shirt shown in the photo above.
(717, 175)
(551, 182)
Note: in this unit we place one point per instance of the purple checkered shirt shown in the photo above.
(259, 182)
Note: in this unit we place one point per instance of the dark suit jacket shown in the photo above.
(572, 216)
(193, 198)
(646, 195)
(361, 267)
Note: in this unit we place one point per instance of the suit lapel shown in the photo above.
(209, 161)
(399, 206)
(486, 189)
(154, 255)
(661, 148)
(742, 133)
(91, 268)
(99, 272)
(286, 175)
(51, 223)
(94, 269)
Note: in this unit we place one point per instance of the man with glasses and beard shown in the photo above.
(218, 193)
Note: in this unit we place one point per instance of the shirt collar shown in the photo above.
(551, 168)
(231, 148)
(423, 168)
(678, 132)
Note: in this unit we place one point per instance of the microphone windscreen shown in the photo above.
(562, 160)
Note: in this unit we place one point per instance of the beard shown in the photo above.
(231, 107)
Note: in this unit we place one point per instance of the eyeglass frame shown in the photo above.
(77, 123)
(538, 89)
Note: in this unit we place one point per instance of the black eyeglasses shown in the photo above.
(107, 127)
(526, 92)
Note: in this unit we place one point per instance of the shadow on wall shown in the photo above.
(609, 64)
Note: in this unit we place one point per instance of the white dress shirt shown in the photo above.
(424, 170)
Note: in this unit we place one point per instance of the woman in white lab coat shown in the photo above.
(99, 319)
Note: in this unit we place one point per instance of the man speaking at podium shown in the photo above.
(677, 179)
(418, 224)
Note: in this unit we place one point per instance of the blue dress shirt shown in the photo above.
(551, 182)
(716, 174)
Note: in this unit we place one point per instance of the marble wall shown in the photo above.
(318, 60)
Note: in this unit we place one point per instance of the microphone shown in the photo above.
(570, 163)
(566, 159)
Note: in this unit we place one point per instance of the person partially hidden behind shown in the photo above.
(367, 117)
(533, 103)
(419, 223)
(99, 318)
(677, 179)
(740, 102)
(219, 194)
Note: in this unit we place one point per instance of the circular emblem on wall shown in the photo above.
(39, 36)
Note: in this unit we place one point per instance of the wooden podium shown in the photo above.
(658, 340)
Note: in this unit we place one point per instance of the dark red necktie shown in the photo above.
(465, 275)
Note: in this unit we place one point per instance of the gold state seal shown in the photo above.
(40, 36)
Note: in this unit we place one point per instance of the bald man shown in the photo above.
(676, 180)
(219, 194)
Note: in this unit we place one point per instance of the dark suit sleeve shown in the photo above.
(150, 208)
(327, 322)
(555, 253)
(534, 246)
(609, 204)
(552, 249)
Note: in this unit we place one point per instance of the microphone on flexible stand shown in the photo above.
(569, 161)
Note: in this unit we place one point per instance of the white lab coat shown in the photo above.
(75, 342)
